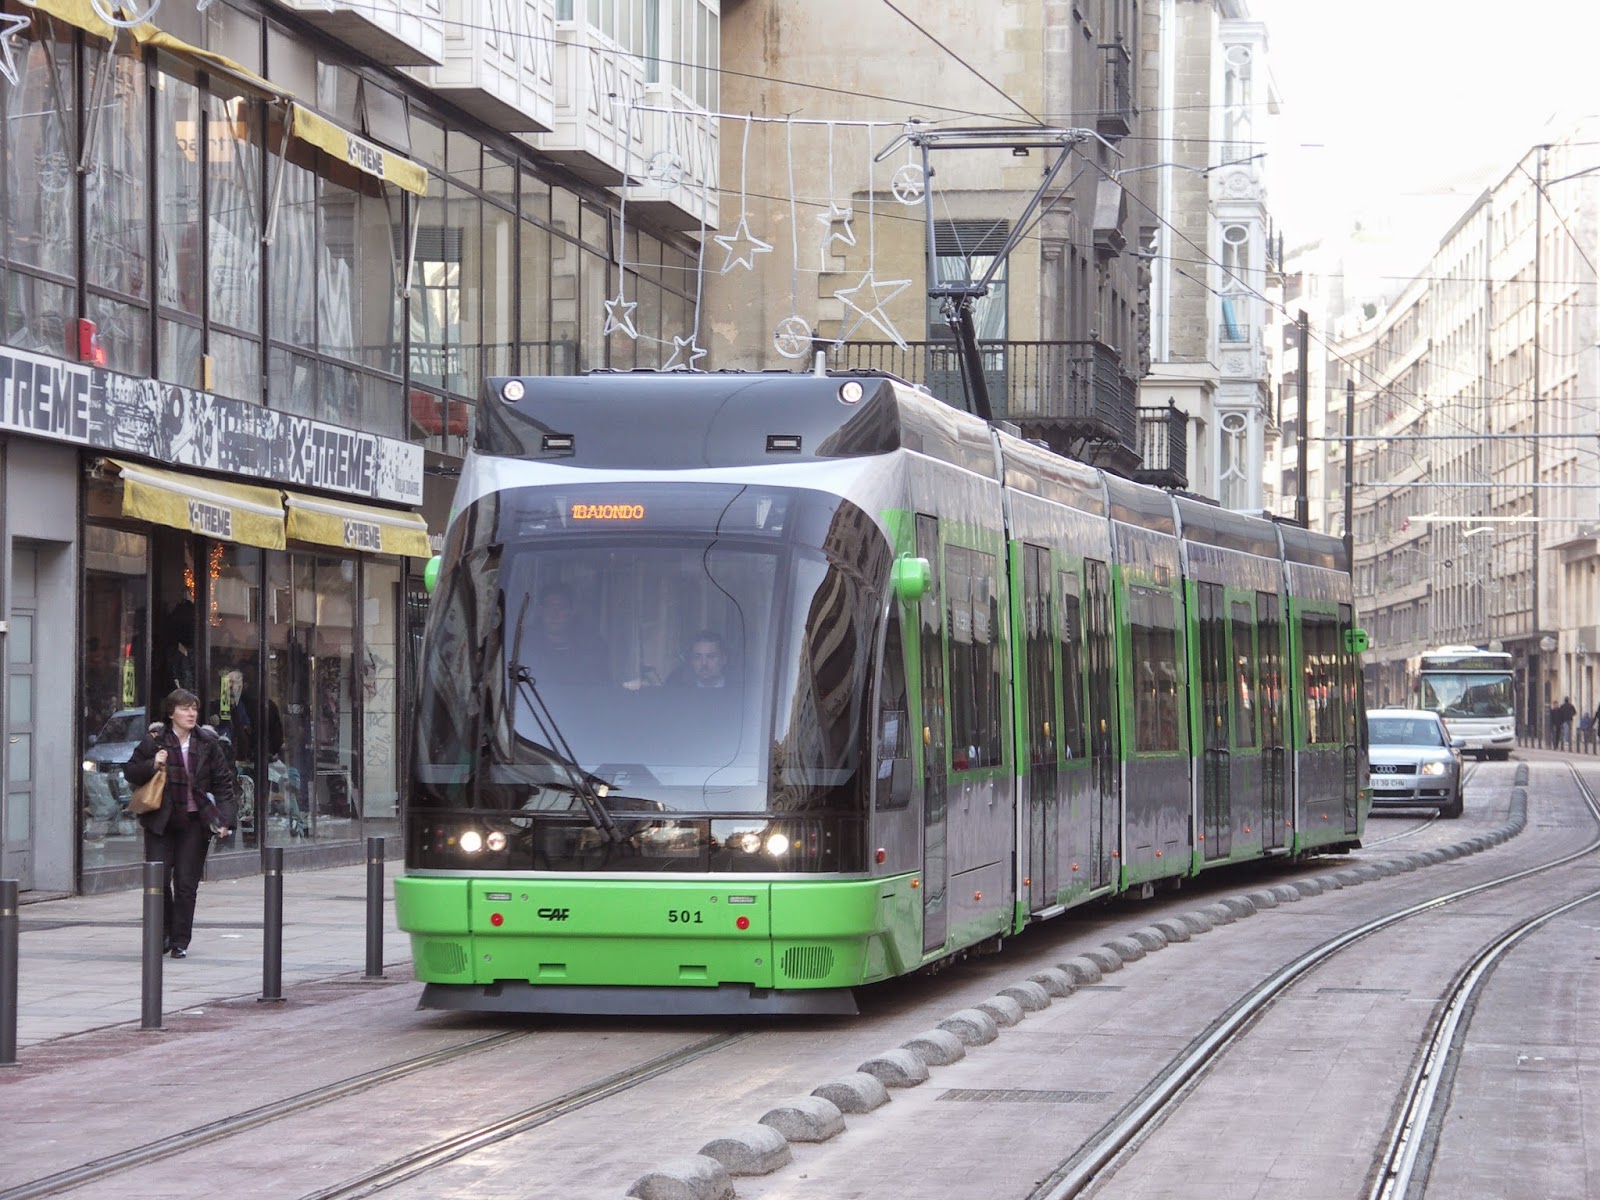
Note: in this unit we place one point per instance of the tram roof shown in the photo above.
(656, 419)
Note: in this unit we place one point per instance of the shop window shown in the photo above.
(113, 689)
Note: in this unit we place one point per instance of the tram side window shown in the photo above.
(1071, 667)
(974, 659)
(1323, 700)
(1155, 669)
(1038, 629)
(1268, 658)
(1244, 674)
(892, 745)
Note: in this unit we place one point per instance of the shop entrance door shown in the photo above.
(16, 822)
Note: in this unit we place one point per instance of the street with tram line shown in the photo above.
(348, 1091)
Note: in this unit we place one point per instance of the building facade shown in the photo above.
(1213, 255)
(1475, 487)
(256, 259)
(834, 247)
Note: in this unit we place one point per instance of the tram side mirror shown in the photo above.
(430, 574)
(911, 577)
(1356, 641)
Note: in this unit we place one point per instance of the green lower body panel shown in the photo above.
(607, 933)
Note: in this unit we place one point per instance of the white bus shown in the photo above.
(1474, 691)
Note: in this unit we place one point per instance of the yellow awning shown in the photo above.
(222, 70)
(353, 526)
(233, 512)
(79, 14)
(355, 151)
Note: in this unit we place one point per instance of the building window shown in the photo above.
(38, 227)
(1233, 475)
(116, 215)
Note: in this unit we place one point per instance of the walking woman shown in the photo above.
(198, 803)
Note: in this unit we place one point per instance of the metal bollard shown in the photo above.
(155, 939)
(10, 936)
(272, 928)
(374, 908)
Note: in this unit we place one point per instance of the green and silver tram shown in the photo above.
(742, 691)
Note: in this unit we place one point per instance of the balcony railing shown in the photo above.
(1065, 390)
(1163, 447)
(1115, 119)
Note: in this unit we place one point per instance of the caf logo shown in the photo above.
(554, 914)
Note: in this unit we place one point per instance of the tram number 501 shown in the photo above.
(684, 916)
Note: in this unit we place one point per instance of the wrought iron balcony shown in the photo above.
(1064, 392)
(1115, 119)
(1163, 447)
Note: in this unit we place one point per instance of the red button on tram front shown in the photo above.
(496, 920)
(743, 922)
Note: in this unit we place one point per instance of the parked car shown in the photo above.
(1413, 761)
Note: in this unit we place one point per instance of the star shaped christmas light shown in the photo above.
(867, 299)
(10, 27)
(684, 355)
(619, 316)
(836, 221)
(742, 247)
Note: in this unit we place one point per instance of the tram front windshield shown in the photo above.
(698, 653)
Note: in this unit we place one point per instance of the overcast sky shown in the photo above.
(1398, 112)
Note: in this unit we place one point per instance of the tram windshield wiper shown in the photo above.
(588, 790)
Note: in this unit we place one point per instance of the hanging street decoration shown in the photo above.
(685, 353)
(908, 185)
(836, 221)
(792, 338)
(619, 310)
(666, 169)
(619, 316)
(10, 27)
(742, 245)
(867, 299)
(107, 12)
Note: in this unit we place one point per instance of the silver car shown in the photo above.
(1413, 761)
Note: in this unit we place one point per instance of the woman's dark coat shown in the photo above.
(212, 770)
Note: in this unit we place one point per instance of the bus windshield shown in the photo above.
(1452, 694)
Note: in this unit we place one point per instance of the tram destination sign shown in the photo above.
(185, 427)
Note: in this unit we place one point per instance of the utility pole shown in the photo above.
(1302, 503)
(1349, 471)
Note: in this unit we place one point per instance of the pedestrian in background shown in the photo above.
(197, 805)
(1563, 721)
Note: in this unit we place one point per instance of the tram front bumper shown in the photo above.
(701, 934)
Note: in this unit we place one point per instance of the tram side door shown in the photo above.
(1215, 685)
(1274, 772)
(1104, 788)
(1044, 801)
(935, 762)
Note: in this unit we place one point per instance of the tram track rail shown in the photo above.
(226, 1127)
(426, 1158)
(1408, 1145)
(403, 1167)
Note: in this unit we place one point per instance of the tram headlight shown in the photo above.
(1433, 768)
(749, 843)
(90, 765)
(471, 841)
(496, 841)
(777, 845)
